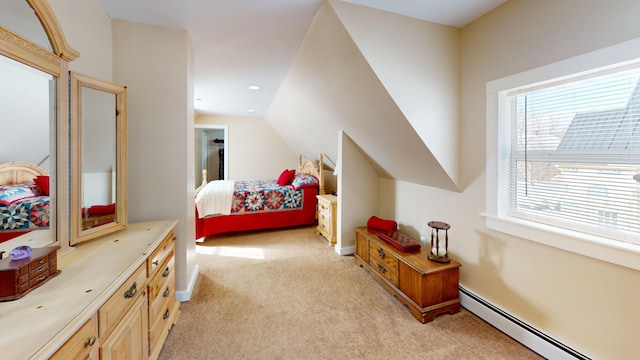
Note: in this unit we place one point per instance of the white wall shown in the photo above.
(255, 151)
(88, 30)
(332, 86)
(357, 189)
(588, 304)
(25, 111)
(155, 63)
(418, 62)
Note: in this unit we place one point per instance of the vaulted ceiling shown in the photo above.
(371, 68)
(238, 43)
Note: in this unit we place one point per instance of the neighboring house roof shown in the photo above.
(605, 130)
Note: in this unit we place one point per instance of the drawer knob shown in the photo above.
(156, 262)
(166, 315)
(133, 290)
(166, 292)
(165, 273)
(90, 341)
(381, 253)
(381, 269)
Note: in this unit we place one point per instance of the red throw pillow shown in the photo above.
(42, 181)
(101, 209)
(377, 223)
(286, 176)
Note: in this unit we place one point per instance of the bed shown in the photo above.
(24, 199)
(261, 204)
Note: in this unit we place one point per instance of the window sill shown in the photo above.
(615, 252)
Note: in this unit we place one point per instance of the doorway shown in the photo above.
(211, 142)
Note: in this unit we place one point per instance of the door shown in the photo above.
(211, 143)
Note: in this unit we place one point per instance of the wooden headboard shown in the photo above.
(309, 167)
(18, 172)
(305, 166)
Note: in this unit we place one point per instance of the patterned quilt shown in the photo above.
(264, 196)
(23, 207)
(29, 214)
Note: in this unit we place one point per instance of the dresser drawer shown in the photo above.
(324, 208)
(114, 309)
(41, 269)
(82, 344)
(324, 221)
(166, 293)
(158, 307)
(160, 326)
(382, 261)
(158, 257)
(159, 282)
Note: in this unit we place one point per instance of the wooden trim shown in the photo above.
(22, 50)
(78, 232)
(54, 31)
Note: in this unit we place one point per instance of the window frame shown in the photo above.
(497, 158)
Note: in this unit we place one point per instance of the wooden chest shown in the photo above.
(18, 277)
(428, 288)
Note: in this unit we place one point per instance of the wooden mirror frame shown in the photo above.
(78, 231)
(55, 63)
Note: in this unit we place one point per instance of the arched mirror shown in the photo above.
(33, 111)
(98, 158)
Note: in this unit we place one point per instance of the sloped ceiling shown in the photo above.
(390, 82)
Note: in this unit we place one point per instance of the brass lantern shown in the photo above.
(439, 246)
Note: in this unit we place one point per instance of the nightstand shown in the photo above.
(327, 208)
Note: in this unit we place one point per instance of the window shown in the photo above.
(574, 148)
(563, 154)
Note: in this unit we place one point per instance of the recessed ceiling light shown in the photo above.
(250, 110)
(254, 87)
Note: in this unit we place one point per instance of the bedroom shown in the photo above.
(578, 300)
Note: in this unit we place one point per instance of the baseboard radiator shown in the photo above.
(520, 331)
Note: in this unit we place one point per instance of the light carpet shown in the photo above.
(285, 294)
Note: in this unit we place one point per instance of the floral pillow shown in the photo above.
(16, 192)
(303, 181)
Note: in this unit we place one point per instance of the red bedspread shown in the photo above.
(262, 217)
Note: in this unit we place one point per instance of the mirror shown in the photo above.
(34, 115)
(27, 108)
(98, 158)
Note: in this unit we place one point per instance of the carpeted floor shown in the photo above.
(285, 294)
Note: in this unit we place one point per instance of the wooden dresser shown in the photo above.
(428, 288)
(327, 207)
(114, 298)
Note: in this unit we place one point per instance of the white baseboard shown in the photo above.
(345, 250)
(186, 295)
(525, 334)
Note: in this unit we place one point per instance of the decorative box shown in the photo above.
(399, 241)
(18, 277)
